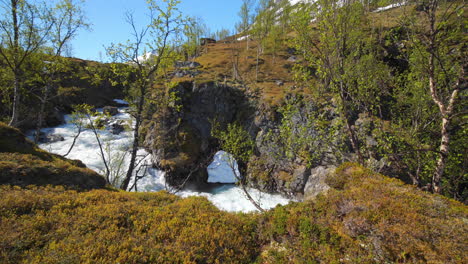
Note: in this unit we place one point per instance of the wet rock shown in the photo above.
(117, 128)
(49, 138)
(110, 110)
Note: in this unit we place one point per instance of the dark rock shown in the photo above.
(300, 177)
(117, 128)
(291, 51)
(110, 110)
(205, 41)
(181, 140)
(182, 73)
(49, 138)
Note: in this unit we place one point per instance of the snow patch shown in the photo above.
(243, 38)
(120, 101)
(380, 9)
(221, 169)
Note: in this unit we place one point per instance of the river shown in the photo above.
(226, 196)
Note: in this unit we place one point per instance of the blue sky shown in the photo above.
(108, 21)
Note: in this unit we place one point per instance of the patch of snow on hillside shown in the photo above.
(220, 171)
(380, 9)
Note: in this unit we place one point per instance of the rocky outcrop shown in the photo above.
(297, 143)
(316, 184)
(179, 136)
(294, 138)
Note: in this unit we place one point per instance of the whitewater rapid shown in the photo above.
(226, 196)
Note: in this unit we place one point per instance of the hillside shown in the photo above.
(22, 163)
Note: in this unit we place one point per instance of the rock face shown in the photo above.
(297, 143)
(292, 142)
(181, 141)
(186, 64)
(49, 138)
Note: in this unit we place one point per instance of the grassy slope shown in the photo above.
(366, 218)
(22, 163)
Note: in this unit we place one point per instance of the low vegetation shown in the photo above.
(364, 218)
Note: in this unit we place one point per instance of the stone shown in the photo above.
(110, 110)
(50, 138)
(291, 51)
(117, 128)
(279, 82)
(300, 177)
(316, 183)
(292, 59)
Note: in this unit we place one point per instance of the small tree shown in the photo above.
(165, 23)
(246, 19)
(67, 17)
(237, 142)
(24, 29)
(439, 60)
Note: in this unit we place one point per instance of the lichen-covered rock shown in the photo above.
(316, 184)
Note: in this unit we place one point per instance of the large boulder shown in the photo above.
(316, 183)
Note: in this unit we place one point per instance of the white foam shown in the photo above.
(231, 198)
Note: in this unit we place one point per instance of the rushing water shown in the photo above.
(226, 196)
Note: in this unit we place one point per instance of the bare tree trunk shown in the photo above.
(74, 141)
(443, 155)
(136, 135)
(40, 115)
(16, 88)
(16, 100)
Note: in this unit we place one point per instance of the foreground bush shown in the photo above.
(364, 218)
(367, 218)
(52, 225)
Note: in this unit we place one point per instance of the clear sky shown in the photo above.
(108, 21)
